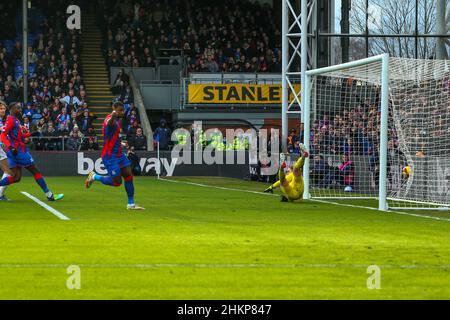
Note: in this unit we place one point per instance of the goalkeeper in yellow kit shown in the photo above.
(291, 184)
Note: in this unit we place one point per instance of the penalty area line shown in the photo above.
(45, 206)
(313, 200)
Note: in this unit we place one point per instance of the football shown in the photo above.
(406, 172)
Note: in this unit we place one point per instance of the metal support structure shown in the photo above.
(441, 28)
(304, 48)
(284, 85)
(25, 49)
(345, 29)
(297, 28)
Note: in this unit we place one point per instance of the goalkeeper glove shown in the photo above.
(269, 190)
(304, 150)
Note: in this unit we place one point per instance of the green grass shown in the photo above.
(194, 242)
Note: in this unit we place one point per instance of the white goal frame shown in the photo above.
(384, 59)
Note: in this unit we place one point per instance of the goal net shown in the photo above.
(344, 109)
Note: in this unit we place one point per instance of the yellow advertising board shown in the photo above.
(237, 93)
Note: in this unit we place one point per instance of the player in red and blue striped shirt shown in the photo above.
(4, 165)
(114, 159)
(13, 138)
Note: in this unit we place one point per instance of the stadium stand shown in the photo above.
(67, 99)
(57, 97)
(233, 36)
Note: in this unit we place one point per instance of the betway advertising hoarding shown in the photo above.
(81, 163)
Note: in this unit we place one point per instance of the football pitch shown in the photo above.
(214, 238)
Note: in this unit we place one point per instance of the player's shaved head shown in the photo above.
(14, 108)
(117, 105)
(118, 108)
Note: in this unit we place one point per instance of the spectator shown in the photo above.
(28, 111)
(63, 131)
(292, 140)
(209, 34)
(127, 95)
(347, 173)
(120, 83)
(57, 70)
(85, 121)
(62, 119)
(26, 123)
(36, 117)
(212, 65)
(322, 173)
(133, 129)
(76, 132)
(163, 135)
(90, 144)
(138, 141)
(71, 99)
(74, 141)
(38, 140)
(51, 138)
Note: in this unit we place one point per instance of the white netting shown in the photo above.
(345, 122)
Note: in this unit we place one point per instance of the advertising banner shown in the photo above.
(269, 94)
(146, 163)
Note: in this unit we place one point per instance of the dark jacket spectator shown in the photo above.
(85, 121)
(90, 144)
(53, 141)
(138, 141)
(163, 135)
(73, 142)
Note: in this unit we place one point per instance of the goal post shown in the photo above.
(379, 132)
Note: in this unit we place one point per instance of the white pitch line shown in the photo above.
(217, 266)
(45, 206)
(314, 200)
(220, 188)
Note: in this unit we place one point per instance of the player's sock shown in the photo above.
(129, 187)
(106, 180)
(6, 181)
(3, 188)
(41, 182)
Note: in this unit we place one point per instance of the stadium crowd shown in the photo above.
(57, 114)
(232, 36)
